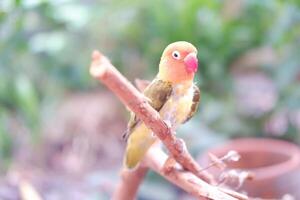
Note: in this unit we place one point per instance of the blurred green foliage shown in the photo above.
(45, 49)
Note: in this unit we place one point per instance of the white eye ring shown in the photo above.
(176, 55)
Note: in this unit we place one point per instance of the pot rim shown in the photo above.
(285, 148)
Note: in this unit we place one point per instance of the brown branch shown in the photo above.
(141, 85)
(104, 71)
(155, 159)
(129, 183)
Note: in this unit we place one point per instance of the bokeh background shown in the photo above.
(60, 130)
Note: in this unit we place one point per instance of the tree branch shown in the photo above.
(155, 158)
(128, 186)
(104, 71)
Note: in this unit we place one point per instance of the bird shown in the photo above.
(172, 93)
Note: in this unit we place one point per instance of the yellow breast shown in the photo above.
(179, 104)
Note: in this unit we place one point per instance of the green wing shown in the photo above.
(158, 92)
(195, 104)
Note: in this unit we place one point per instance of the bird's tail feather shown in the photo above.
(138, 144)
(134, 156)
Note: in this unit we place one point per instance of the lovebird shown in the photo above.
(172, 93)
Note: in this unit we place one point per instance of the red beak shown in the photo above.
(191, 63)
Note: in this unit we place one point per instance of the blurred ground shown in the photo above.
(66, 166)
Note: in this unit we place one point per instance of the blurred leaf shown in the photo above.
(27, 100)
(6, 143)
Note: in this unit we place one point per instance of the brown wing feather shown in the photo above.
(158, 92)
(195, 104)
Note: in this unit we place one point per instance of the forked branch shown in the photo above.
(192, 180)
(104, 71)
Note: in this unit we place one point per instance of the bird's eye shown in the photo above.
(176, 55)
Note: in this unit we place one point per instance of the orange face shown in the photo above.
(178, 63)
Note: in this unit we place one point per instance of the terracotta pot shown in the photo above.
(274, 163)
